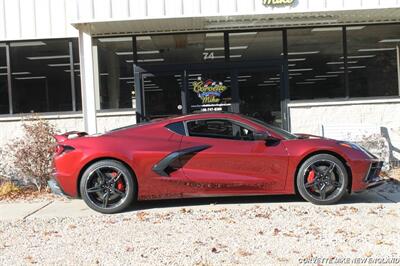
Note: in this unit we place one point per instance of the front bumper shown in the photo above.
(373, 178)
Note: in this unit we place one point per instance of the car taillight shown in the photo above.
(60, 149)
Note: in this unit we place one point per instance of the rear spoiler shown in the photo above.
(70, 135)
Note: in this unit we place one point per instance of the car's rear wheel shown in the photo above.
(322, 179)
(108, 186)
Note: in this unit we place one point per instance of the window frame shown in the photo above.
(234, 123)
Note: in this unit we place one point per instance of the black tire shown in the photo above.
(328, 185)
(108, 186)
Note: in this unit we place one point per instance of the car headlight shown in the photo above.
(356, 147)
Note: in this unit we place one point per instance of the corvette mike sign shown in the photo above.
(211, 95)
(209, 91)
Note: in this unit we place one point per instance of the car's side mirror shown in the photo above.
(262, 136)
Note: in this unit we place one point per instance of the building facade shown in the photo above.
(326, 67)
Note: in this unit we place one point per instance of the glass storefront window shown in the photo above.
(253, 45)
(162, 94)
(181, 48)
(115, 61)
(4, 106)
(210, 91)
(316, 65)
(41, 80)
(259, 91)
(373, 51)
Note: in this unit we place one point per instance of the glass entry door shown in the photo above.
(260, 94)
(162, 94)
(251, 90)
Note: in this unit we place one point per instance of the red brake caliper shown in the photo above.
(310, 178)
(120, 184)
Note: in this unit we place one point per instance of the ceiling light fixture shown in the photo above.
(341, 63)
(47, 57)
(38, 77)
(359, 56)
(302, 53)
(139, 52)
(390, 40)
(296, 59)
(336, 72)
(243, 47)
(21, 73)
(151, 60)
(300, 69)
(376, 49)
(243, 33)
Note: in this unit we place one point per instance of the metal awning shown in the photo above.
(238, 22)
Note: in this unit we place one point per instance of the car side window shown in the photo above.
(218, 128)
(177, 127)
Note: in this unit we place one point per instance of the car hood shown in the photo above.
(310, 136)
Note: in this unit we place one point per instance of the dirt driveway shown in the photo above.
(245, 231)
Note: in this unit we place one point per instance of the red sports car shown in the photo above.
(207, 154)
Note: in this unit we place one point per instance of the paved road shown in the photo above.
(387, 194)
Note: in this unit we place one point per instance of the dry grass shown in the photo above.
(8, 189)
(10, 192)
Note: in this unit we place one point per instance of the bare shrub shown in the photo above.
(32, 154)
(378, 146)
(7, 171)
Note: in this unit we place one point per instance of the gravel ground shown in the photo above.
(246, 234)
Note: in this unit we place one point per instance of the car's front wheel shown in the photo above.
(108, 186)
(322, 179)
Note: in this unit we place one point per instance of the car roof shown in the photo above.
(203, 115)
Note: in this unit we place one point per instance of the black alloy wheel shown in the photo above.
(322, 179)
(107, 186)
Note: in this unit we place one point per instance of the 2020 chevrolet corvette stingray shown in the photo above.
(208, 154)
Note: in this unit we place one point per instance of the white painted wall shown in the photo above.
(40, 19)
(10, 127)
(348, 120)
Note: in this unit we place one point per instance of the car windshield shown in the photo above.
(277, 130)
